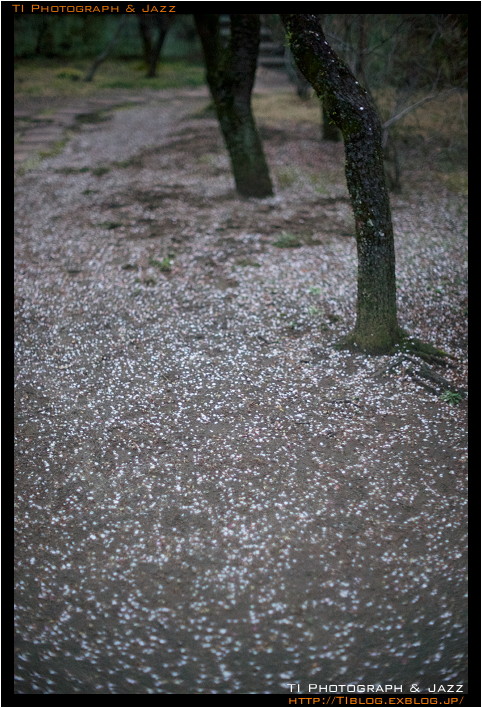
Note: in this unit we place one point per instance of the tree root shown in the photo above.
(408, 351)
(425, 351)
(421, 373)
(441, 384)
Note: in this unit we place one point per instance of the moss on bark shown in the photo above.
(350, 107)
(230, 71)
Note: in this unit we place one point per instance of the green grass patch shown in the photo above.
(70, 74)
(457, 182)
(165, 265)
(135, 161)
(51, 78)
(55, 149)
(287, 240)
(248, 263)
(286, 177)
(29, 164)
(74, 171)
(268, 108)
(314, 311)
(451, 397)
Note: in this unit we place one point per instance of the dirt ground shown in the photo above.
(210, 497)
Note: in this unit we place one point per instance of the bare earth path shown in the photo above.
(211, 498)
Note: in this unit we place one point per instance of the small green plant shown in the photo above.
(135, 161)
(314, 311)
(144, 281)
(55, 149)
(110, 225)
(93, 117)
(30, 163)
(100, 171)
(451, 397)
(72, 171)
(286, 177)
(165, 266)
(248, 263)
(314, 290)
(71, 74)
(287, 240)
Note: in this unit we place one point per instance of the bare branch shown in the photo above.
(413, 106)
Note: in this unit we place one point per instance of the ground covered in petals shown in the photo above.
(211, 498)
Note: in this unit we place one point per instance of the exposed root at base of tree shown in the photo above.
(421, 374)
(408, 361)
(408, 352)
(425, 351)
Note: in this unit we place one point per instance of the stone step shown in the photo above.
(47, 131)
(34, 139)
(21, 155)
(272, 62)
(72, 111)
(270, 47)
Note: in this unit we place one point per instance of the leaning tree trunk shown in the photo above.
(105, 53)
(329, 130)
(351, 109)
(230, 72)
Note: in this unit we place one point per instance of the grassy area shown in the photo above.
(442, 119)
(55, 78)
(270, 109)
(431, 137)
(434, 134)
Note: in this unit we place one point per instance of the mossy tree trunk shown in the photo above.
(350, 107)
(230, 72)
(329, 130)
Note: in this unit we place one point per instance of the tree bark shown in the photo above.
(148, 24)
(350, 107)
(145, 30)
(329, 130)
(105, 53)
(230, 72)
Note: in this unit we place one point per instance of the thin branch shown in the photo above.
(409, 109)
(413, 106)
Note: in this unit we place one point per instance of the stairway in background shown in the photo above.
(271, 51)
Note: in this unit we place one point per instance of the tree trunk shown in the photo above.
(329, 130)
(352, 110)
(148, 24)
(303, 87)
(145, 30)
(230, 72)
(105, 53)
